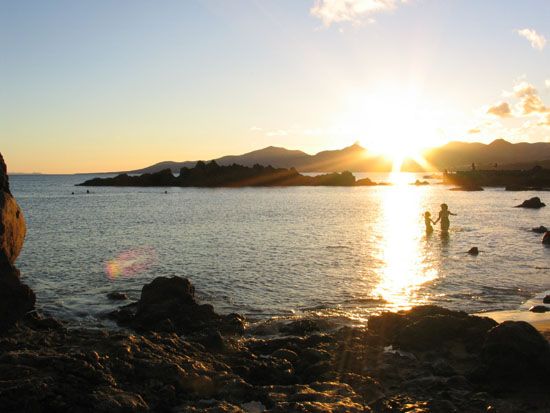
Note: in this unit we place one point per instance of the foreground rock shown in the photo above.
(533, 203)
(169, 305)
(16, 299)
(428, 359)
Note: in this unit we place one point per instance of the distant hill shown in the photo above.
(460, 155)
(354, 158)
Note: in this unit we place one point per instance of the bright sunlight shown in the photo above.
(397, 124)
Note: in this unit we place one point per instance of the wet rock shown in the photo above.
(546, 238)
(533, 203)
(473, 251)
(546, 299)
(515, 353)
(539, 309)
(305, 327)
(539, 230)
(168, 304)
(116, 295)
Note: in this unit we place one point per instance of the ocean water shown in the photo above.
(343, 253)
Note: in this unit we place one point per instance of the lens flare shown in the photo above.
(130, 262)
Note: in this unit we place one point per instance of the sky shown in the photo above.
(118, 85)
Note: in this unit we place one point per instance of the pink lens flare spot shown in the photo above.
(130, 263)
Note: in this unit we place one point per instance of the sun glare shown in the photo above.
(398, 125)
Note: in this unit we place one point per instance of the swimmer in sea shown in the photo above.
(444, 218)
(428, 222)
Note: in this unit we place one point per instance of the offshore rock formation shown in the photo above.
(16, 299)
(533, 203)
(213, 175)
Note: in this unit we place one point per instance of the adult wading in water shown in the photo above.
(444, 218)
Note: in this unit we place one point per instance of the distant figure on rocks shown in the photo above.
(428, 222)
(444, 218)
(87, 191)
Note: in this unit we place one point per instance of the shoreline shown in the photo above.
(173, 354)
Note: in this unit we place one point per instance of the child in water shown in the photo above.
(444, 218)
(428, 222)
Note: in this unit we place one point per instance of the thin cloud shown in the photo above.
(474, 131)
(279, 132)
(538, 41)
(351, 11)
(501, 110)
(529, 100)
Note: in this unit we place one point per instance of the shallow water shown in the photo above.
(264, 252)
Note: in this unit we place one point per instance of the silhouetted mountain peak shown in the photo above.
(500, 142)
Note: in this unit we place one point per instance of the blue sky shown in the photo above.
(111, 85)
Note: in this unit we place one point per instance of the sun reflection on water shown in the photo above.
(402, 250)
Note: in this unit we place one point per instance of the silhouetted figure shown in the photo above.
(444, 218)
(473, 166)
(87, 191)
(428, 222)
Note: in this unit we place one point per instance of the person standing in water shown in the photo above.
(428, 222)
(444, 218)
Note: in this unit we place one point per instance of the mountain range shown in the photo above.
(452, 156)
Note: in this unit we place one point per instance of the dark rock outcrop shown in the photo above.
(546, 238)
(169, 305)
(546, 299)
(539, 230)
(473, 251)
(532, 203)
(117, 296)
(16, 299)
(212, 175)
(515, 352)
(539, 309)
(431, 327)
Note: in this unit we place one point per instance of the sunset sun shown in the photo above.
(397, 125)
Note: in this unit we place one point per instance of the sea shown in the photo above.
(341, 253)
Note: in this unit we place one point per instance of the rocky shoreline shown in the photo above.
(428, 359)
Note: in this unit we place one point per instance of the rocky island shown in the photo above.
(171, 353)
(213, 175)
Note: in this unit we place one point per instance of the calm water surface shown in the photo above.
(265, 252)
